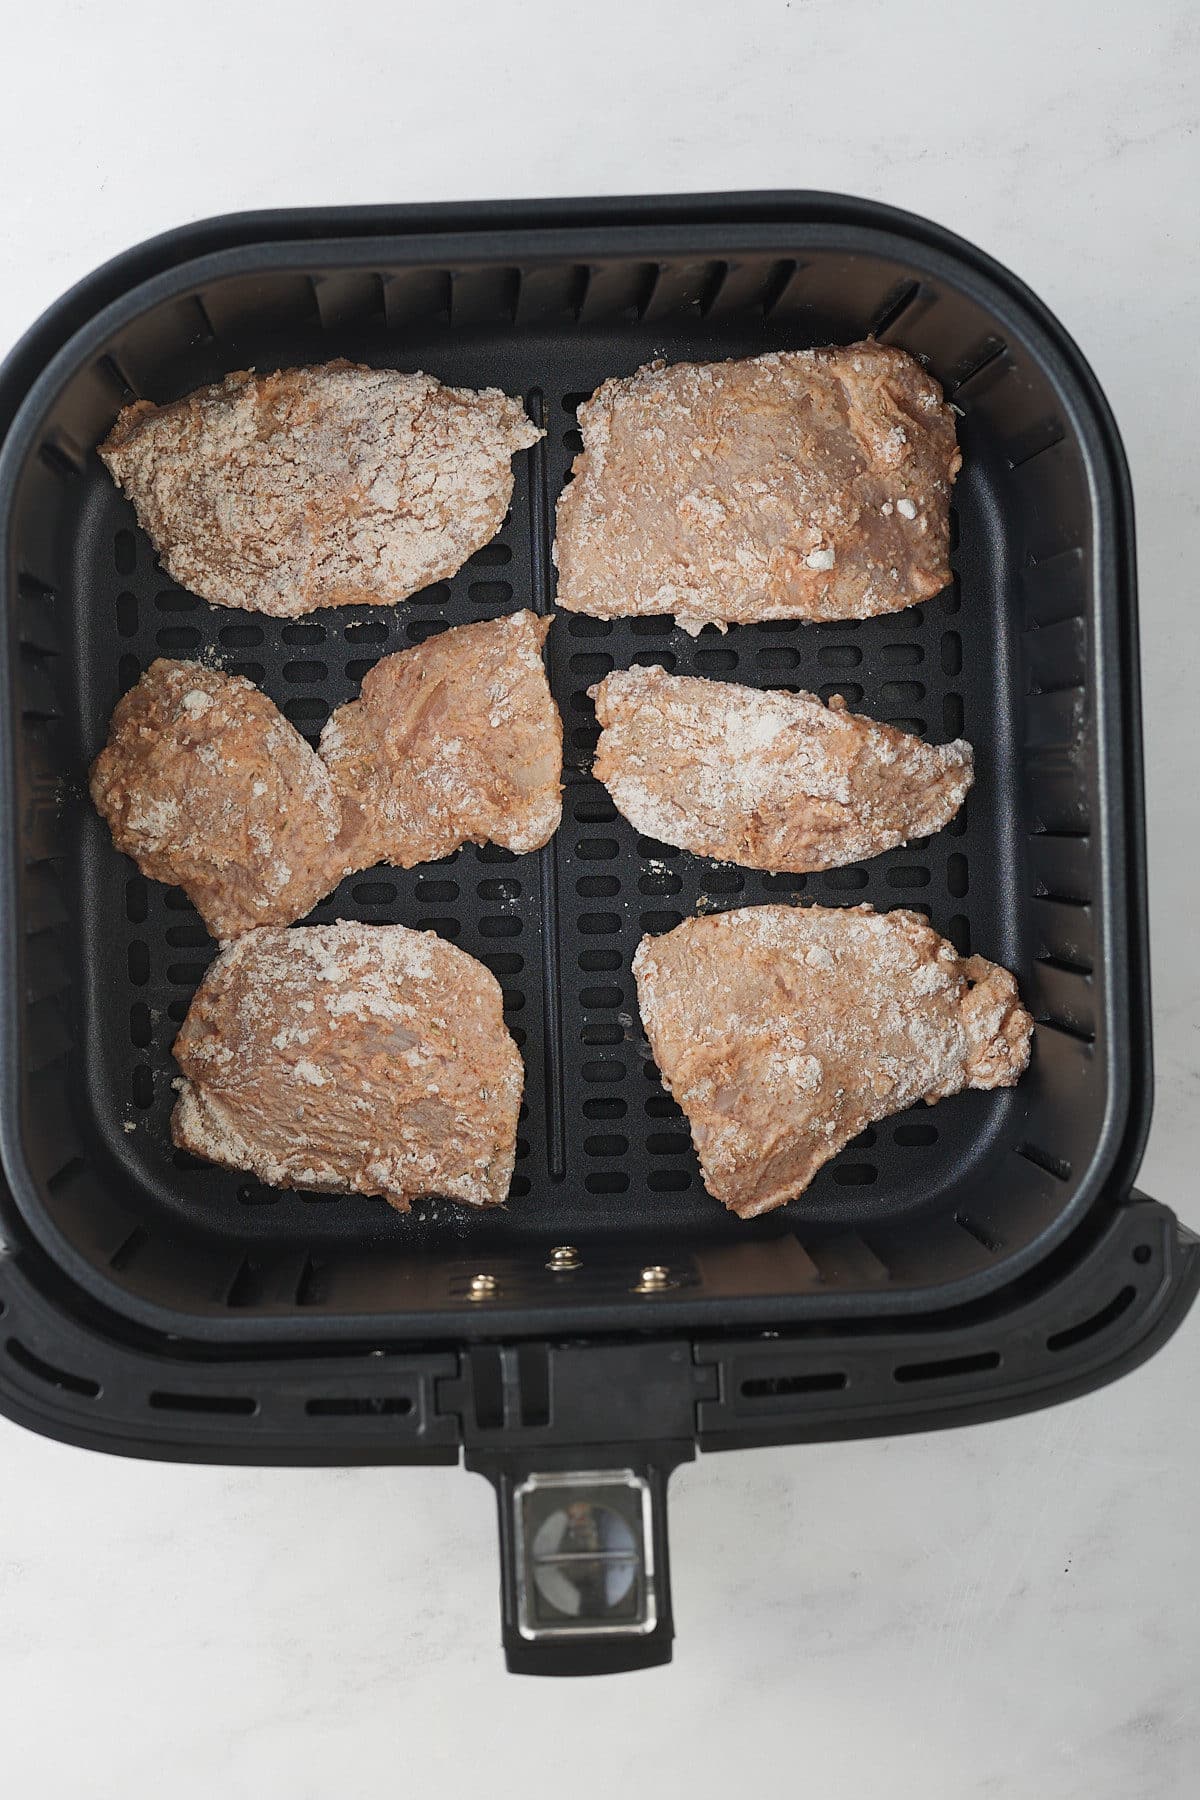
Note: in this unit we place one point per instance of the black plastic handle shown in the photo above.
(579, 1441)
(584, 1573)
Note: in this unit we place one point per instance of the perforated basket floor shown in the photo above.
(1006, 656)
(604, 1146)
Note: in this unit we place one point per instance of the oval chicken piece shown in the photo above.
(331, 486)
(768, 779)
(783, 1031)
(351, 1058)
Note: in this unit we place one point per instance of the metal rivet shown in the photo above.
(654, 1278)
(564, 1256)
(482, 1287)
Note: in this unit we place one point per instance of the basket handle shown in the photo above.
(584, 1576)
(579, 1441)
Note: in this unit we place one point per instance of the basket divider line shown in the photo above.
(542, 584)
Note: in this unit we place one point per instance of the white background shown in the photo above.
(1008, 1612)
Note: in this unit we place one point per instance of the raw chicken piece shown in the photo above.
(207, 786)
(332, 486)
(783, 1031)
(771, 780)
(456, 741)
(807, 484)
(364, 1059)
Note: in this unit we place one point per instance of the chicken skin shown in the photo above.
(350, 1058)
(768, 779)
(805, 484)
(208, 787)
(455, 741)
(331, 486)
(783, 1031)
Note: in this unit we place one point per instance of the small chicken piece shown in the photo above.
(207, 786)
(807, 484)
(769, 779)
(364, 1059)
(456, 741)
(331, 486)
(783, 1031)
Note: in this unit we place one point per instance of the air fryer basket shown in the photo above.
(930, 1219)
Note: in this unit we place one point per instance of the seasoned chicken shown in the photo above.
(364, 1059)
(771, 780)
(456, 741)
(807, 484)
(333, 486)
(783, 1031)
(207, 786)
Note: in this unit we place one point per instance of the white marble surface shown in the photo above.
(1004, 1613)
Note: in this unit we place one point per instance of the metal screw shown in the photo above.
(564, 1256)
(654, 1278)
(482, 1287)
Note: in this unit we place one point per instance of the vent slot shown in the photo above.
(976, 364)
(125, 1251)
(231, 1405)
(246, 1286)
(312, 1287)
(48, 1372)
(980, 1233)
(948, 1366)
(359, 1406)
(780, 1387)
(1089, 1328)
(1057, 1166)
(854, 1174)
(893, 309)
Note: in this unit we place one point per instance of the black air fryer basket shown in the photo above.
(955, 1263)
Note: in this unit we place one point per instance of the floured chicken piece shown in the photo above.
(364, 1059)
(783, 1031)
(456, 741)
(332, 486)
(207, 786)
(807, 484)
(769, 779)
